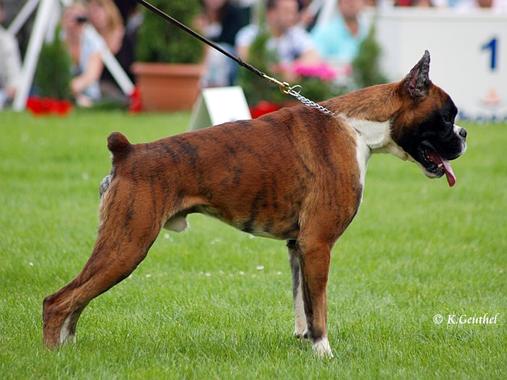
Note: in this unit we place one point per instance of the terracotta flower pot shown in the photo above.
(168, 87)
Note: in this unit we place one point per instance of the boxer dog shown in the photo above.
(295, 175)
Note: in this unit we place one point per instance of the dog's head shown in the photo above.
(424, 126)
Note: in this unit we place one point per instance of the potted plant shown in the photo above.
(52, 81)
(366, 65)
(169, 69)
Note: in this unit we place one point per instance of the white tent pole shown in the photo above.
(112, 65)
(22, 16)
(53, 22)
(32, 53)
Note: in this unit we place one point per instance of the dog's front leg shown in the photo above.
(300, 326)
(314, 258)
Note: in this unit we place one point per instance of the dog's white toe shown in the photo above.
(322, 348)
(301, 334)
(65, 334)
(300, 328)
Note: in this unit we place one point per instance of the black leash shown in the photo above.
(285, 87)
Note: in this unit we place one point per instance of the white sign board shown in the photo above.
(468, 54)
(219, 105)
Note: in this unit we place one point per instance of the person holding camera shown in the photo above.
(86, 55)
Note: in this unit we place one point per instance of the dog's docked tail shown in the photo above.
(120, 148)
(118, 145)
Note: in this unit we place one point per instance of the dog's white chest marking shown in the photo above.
(377, 136)
(371, 136)
(374, 133)
(362, 155)
(374, 137)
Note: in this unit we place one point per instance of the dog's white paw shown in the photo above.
(301, 334)
(322, 348)
(65, 335)
(300, 328)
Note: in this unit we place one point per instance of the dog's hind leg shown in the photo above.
(129, 225)
(300, 325)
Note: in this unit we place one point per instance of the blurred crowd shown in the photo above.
(294, 37)
(117, 23)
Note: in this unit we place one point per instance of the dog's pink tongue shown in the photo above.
(449, 173)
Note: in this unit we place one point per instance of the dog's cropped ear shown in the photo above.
(417, 82)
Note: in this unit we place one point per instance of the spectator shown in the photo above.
(308, 15)
(220, 21)
(291, 43)
(132, 20)
(107, 20)
(127, 8)
(10, 65)
(496, 6)
(85, 53)
(338, 40)
(415, 3)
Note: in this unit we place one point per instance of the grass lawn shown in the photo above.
(201, 305)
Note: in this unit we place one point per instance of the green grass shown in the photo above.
(197, 307)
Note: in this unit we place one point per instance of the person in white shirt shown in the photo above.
(10, 62)
(86, 55)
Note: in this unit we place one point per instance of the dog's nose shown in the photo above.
(463, 133)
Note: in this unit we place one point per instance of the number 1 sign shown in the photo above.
(468, 54)
(492, 46)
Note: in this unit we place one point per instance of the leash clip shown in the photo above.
(284, 86)
(294, 90)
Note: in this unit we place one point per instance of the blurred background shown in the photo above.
(109, 54)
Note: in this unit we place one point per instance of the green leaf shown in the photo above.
(160, 41)
(53, 75)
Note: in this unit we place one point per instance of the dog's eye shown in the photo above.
(447, 130)
(446, 119)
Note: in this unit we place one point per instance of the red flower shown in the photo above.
(262, 108)
(135, 101)
(47, 106)
(34, 105)
(62, 107)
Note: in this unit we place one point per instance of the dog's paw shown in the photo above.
(301, 335)
(322, 348)
(66, 335)
(300, 327)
